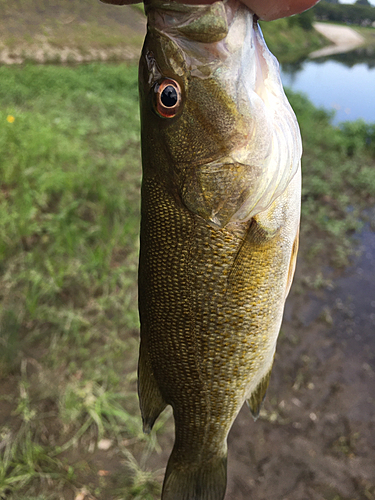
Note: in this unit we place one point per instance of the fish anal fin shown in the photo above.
(151, 401)
(189, 481)
(256, 399)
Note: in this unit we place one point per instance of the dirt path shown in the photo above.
(343, 38)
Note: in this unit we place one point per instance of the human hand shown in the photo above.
(267, 10)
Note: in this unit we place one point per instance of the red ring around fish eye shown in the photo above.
(168, 98)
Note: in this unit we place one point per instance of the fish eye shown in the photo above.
(168, 98)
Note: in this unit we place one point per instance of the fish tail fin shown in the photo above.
(256, 398)
(207, 481)
(151, 401)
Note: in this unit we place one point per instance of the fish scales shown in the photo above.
(219, 230)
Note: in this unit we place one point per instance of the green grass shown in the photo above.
(69, 217)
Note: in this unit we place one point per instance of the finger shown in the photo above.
(268, 10)
(121, 2)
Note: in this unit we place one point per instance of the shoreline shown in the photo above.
(344, 39)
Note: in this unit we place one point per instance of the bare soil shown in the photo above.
(315, 439)
(343, 38)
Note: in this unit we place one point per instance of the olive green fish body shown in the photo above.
(219, 235)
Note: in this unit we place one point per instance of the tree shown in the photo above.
(363, 2)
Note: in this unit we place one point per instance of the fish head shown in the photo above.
(217, 129)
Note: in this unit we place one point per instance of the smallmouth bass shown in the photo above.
(220, 215)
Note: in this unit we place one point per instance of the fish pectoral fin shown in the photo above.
(256, 398)
(189, 481)
(261, 230)
(151, 401)
(264, 226)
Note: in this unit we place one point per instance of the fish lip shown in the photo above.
(179, 19)
(179, 7)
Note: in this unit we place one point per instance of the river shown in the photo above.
(343, 83)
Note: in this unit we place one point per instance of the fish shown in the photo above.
(220, 214)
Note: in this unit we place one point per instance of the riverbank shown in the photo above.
(344, 39)
(69, 32)
(78, 32)
(291, 43)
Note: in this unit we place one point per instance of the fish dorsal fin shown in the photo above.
(256, 399)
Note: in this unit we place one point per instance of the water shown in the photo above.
(344, 83)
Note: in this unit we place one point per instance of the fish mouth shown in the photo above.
(222, 42)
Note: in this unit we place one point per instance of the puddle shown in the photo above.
(354, 296)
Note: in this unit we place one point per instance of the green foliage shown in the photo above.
(344, 13)
(304, 20)
(360, 137)
(366, 3)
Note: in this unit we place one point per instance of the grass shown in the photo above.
(367, 33)
(69, 216)
(69, 205)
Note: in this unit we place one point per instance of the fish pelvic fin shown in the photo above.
(187, 481)
(256, 399)
(292, 264)
(151, 401)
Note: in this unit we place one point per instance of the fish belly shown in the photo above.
(211, 302)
